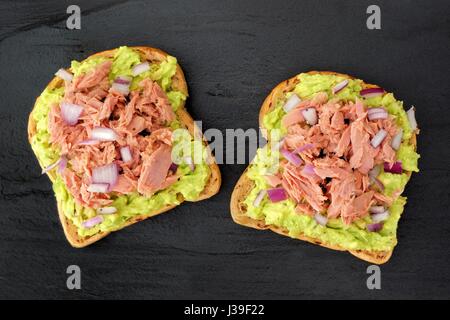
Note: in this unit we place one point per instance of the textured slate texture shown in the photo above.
(233, 53)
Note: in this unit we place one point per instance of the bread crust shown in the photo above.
(245, 185)
(179, 83)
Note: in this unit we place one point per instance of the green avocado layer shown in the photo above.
(282, 214)
(190, 184)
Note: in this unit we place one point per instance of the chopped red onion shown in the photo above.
(62, 164)
(377, 113)
(70, 113)
(291, 157)
(292, 102)
(310, 116)
(121, 88)
(92, 222)
(88, 142)
(395, 167)
(375, 227)
(98, 187)
(374, 172)
(190, 163)
(371, 92)
(320, 219)
(378, 138)
(308, 169)
(173, 167)
(341, 85)
(259, 198)
(304, 147)
(411, 113)
(107, 210)
(397, 140)
(103, 134)
(378, 217)
(123, 80)
(379, 184)
(64, 74)
(125, 153)
(277, 194)
(140, 68)
(106, 174)
(375, 110)
(377, 209)
(51, 166)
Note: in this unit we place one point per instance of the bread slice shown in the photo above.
(245, 185)
(152, 55)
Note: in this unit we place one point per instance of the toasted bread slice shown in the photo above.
(152, 55)
(245, 185)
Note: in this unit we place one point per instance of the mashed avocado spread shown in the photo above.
(190, 184)
(354, 236)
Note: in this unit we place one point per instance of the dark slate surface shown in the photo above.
(233, 53)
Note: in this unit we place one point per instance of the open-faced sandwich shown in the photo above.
(339, 155)
(115, 139)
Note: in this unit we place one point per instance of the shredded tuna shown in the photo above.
(141, 121)
(341, 157)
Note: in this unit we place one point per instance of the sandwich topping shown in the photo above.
(118, 140)
(110, 136)
(342, 159)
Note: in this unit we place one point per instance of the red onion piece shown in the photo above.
(88, 142)
(107, 210)
(378, 138)
(277, 194)
(379, 184)
(259, 198)
(395, 167)
(62, 164)
(377, 113)
(308, 169)
(397, 140)
(103, 134)
(121, 88)
(64, 74)
(375, 110)
(291, 157)
(411, 113)
(304, 147)
(378, 217)
(70, 113)
(374, 172)
(310, 116)
(291, 103)
(98, 187)
(341, 85)
(125, 153)
(320, 219)
(371, 92)
(377, 209)
(140, 68)
(375, 227)
(92, 222)
(51, 166)
(123, 80)
(190, 163)
(106, 174)
(173, 167)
